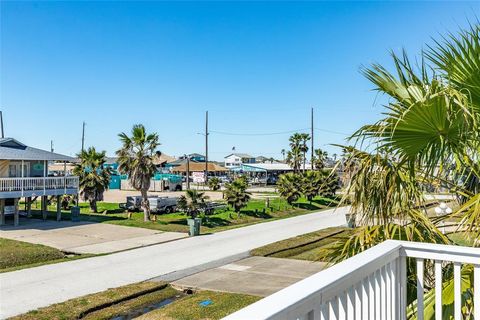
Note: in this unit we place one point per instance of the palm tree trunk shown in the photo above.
(304, 161)
(145, 205)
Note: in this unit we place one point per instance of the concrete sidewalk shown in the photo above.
(258, 276)
(86, 237)
(29, 289)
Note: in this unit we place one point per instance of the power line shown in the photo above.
(334, 132)
(256, 134)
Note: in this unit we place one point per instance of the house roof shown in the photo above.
(241, 155)
(11, 149)
(199, 167)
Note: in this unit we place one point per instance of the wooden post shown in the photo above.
(16, 217)
(28, 202)
(44, 207)
(2, 212)
(59, 208)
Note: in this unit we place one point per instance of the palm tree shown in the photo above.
(294, 158)
(319, 159)
(304, 138)
(192, 202)
(136, 159)
(283, 154)
(94, 177)
(430, 130)
(214, 183)
(236, 195)
(311, 184)
(289, 187)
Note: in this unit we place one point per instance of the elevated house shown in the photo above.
(234, 160)
(24, 174)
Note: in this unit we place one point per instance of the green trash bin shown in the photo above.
(194, 225)
(75, 211)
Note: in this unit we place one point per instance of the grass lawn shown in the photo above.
(16, 255)
(255, 212)
(189, 308)
(105, 304)
(304, 247)
(129, 299)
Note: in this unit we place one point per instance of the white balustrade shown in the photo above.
(40, 184)
(371, 285)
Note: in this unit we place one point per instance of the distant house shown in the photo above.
(236, 159)
(24, 173)
(213, 168)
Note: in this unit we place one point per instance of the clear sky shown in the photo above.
(257, 67)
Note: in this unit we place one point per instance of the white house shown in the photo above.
(236, 159)
(24, 174)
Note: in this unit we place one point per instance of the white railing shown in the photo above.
(371, 285)
(40, 184)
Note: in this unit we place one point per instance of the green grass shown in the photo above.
(309, 246)
(188, 308)
(122, 300)
(255, 212)
(105, 304)
(15, 255)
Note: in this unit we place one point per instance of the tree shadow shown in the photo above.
(326, 202)
(212, 222)
(52, 215)
(261, 214)
(306, 206)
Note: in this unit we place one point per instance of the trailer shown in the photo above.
(157, 204)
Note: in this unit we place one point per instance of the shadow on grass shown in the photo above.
(326, 202)
(212, 222)
(256, 214)
(306, 206)
(83, 217)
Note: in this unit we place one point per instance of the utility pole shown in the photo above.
(83, 136)
(206, 147)
(1, 123)
(188, 172)
(313, 150)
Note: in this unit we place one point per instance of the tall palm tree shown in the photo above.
(94, 177)
(294, 159)
(283, 154)
(295, 155)
(136, 159)
(304, 138)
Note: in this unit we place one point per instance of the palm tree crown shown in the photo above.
(135, 159)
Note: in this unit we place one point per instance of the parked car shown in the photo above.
(157, 204)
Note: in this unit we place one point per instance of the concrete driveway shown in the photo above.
(259, 276)
(85, 237)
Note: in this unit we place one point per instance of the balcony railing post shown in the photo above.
(402, 288)
(476, 291)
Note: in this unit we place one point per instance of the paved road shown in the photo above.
(28, 289)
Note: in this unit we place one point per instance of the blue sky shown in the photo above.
(257, 68)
